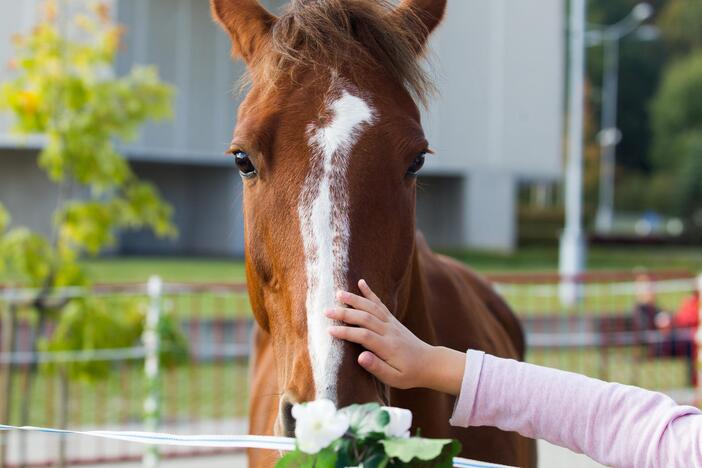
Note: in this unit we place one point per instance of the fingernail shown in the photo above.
(329, 313)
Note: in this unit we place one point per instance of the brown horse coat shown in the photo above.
(329, 141)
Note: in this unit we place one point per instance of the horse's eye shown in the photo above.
(417, 164)
(243, 162)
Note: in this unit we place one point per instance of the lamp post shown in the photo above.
(610, 135)
(572, 245)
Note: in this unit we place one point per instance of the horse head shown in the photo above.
(329, 143)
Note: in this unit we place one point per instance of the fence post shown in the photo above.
(698, 342)
(8, 316)
(152, 402)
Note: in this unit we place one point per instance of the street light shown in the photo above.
(609, 137)
(572, 244)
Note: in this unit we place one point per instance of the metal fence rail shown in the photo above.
(208, 393)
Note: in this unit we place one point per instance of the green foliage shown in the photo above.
(439, 452)
(4, 218)
(681, 23)
(91, 324)
(65, 89)
(297, 459)
(676, 111)
(677, 123)
(27, 256)
(174, 349)
(641, 64)
(367, 421)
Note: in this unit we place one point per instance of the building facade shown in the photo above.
(497, 122)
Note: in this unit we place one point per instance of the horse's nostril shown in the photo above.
(288, 420)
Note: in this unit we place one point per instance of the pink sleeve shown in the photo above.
(616, 425)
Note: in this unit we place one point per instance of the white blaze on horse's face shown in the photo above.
(324, 221)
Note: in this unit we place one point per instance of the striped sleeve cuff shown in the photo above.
(463, 407)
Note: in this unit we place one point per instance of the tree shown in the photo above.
(65, 90)
(677, 126)
(676, 114)
(640, 69)
(681, 23)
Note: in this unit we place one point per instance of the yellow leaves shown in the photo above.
(28, 101)
(84, 23)
(102, 10)
(28, 255)
(88, 225)
(65, 88)
(50, 10)
(113, 39)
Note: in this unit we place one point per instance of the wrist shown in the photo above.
(444, 370)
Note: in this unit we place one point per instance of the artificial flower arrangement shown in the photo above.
(362, 436)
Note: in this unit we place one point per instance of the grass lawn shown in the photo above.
(128, 269)
(599, 258)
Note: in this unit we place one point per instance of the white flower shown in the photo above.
(400, 422)
(317, 425)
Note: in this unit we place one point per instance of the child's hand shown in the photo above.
(395, 356)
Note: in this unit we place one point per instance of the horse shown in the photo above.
(329, 145)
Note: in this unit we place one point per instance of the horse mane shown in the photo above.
(350, 35)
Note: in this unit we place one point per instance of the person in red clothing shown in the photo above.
(688, 315)
(686, 318)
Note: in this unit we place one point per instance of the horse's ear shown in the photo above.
(429, 12)
(248, 25)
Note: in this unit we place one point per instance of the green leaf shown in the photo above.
(406, 450)
(326, 458)
(445, 460)
(4, 218)
(296, 459)
(368, 420)
(376, 457)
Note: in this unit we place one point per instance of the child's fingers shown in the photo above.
(361, 303)
(379, 368)
(368, 292)
(366, 338)
(357, 317)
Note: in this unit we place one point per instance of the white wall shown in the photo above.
(500, 67)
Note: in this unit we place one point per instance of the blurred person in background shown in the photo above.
(686, 318)
(645, 309)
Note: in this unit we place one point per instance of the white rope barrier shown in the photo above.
(206, 441)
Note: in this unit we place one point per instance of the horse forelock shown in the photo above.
(351, 35)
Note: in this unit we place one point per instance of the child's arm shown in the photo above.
(614, 424)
